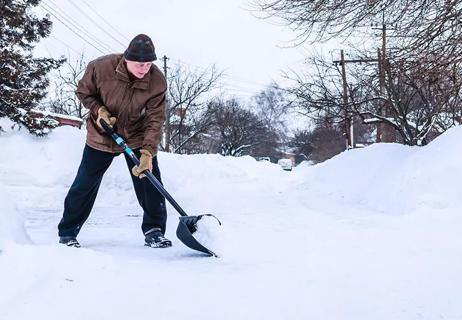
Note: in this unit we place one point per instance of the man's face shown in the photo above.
(138, 69)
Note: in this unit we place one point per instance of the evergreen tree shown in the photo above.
(23, 80)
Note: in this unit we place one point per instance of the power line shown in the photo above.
(59, 13)
(231, 78)
(178, 61)
(95, 23)
(65, 44)
(81, 28)
(238, 89)
(243, 80)
(234, 80)
(104, 20)
(234, 85)
(243, 86)
(72, 30)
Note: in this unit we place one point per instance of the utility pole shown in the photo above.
(167, 111)
(380, 126)
(349, 120)
(384, 133)
(349, 128)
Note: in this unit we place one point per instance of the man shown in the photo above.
(128, 92)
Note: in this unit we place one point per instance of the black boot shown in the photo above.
(69, 241)
(154, 238)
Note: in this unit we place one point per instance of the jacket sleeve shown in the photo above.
(87, 91)
(155, 117)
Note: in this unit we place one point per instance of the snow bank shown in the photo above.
(392, 178)
(41, 161)
(11, 221)
(389, 178)
(53, 160)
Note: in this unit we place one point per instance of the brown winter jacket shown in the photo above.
(138, 105)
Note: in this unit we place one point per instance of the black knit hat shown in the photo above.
(140, 49)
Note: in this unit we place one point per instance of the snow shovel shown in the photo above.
(188, 224)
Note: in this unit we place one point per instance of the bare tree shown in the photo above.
(63, 99)
(189, 113)
(238, 131)
(272, 106)
(194, 133)
(419, 97)
(414, 89)
(317, 92)
(427, 21)
(425, 27)
(301, 142)
(326, 142)
(326, 19)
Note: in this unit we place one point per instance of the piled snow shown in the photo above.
(208, 233)
(373, 232)
(11, 221)
(392, 178)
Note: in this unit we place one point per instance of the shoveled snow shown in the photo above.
(373, 233)
(11, 221)
(208, 233)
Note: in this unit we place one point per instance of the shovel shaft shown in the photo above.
(121, 142)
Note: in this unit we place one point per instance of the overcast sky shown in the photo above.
(252, 52)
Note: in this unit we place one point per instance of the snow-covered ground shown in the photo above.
(373, 233)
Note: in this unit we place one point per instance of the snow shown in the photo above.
(373, 233)
(59, 115)
(11, 222)
(208, 233)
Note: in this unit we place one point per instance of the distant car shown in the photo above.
(286, 164)
(264, 159)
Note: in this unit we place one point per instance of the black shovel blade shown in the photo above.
(185, 231)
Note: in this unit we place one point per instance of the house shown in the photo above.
(63, 120)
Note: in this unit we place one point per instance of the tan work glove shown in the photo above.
(103, 113)
(145, 164)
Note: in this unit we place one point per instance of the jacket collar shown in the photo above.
(122, 74)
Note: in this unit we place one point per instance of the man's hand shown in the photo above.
(145, 164)
(103, 114)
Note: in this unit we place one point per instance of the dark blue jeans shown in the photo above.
(82, 194)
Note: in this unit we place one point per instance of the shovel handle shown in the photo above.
(121, 142)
